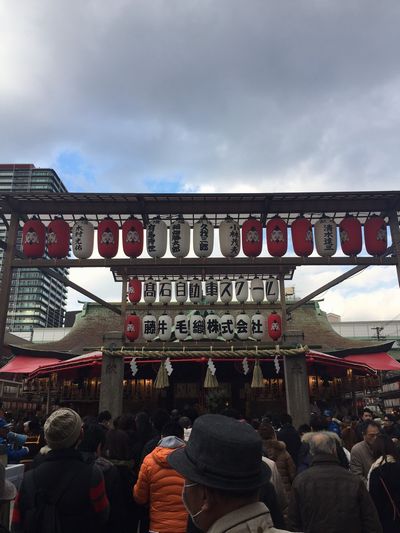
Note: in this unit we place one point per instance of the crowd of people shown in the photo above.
(177, 472)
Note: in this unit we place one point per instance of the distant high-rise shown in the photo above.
(36, 300)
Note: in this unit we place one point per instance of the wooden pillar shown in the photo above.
(112, 368)
(283, 302)
(395, 233)
(296, 387)
(6, 276)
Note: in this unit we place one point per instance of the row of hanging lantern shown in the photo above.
(231, 237)
(194, 290)
(198, 327)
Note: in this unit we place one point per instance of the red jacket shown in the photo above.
(161, 486)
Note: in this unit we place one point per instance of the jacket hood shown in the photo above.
(274, 445)
(166, 446)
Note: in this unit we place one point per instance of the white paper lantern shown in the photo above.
(229, 237)
(195, 290)
(241, 289)
(212, 326)
(211, 290)
(156, 238)
(203, 237)
(243, 326)
(149, 327)
(181, 324)
(271, 289)
(196, 325)
(164, 327)
(227, 326)
(325, 230)
(179, 238)
(257, 326)
(181, 290)
(149, 291)
(165, 291)
(225, 290)
(257, 290)
(82, 235)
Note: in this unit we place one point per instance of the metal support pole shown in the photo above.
(6, 274)
(395, 233)
(112, 370)
(283, 302)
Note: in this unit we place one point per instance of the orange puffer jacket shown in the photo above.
(161, 487)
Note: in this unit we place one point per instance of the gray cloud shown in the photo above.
(219, 95)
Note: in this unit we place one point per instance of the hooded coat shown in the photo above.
(276, 450)
(161, 487)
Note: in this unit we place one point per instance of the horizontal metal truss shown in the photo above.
(216, 206)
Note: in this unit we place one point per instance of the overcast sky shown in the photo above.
(203, 96)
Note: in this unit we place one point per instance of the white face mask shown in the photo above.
(192, 516)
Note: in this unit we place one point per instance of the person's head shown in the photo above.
(159, 418)
(172, 429)
(222, 466)
(366, 415)
(93, 439)
(63, 429)
(266, 431)
(322, 442)
(286, 419)
(175, 414)
(185, 422)
(127, 422)
(384, 446)
(388, 421)
(5, 427)
(304, 428)
(117, 445)
(318, 423)
(370, 431)
(328, 415)
(104, 418)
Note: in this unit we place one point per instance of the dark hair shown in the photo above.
(390, 417)
(318, 423)
(159, 418)
(104, 416)
(117, 445)
(185, 422)
(266, 431)
(286, 419)
(367, 410)
(231, 413)
(93, 435)
(172, 429)
(384, 446)
(304, 428)
(367, 423)
(127, 422)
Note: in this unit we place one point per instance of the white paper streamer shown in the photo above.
(133, 366)
(211, 366)
(276, 363)
(168, 366)
(245, 365)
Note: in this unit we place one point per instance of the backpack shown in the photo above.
(44, 516)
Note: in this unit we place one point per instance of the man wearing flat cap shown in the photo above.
(223, 470)
(62, 488)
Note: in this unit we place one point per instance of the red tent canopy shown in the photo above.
(377, 361)
(23, 364)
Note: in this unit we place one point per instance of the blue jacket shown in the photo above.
(14, 454)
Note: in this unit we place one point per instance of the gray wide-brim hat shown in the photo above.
(7, 489)
(222, 453)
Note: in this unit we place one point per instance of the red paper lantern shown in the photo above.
(252, 237)
(58, 235)
(302, 237)
(132, 237)
(277, 236)
(132, 327)
(134, 290)
(274, 326)
(350, 235)
(107, 237)
(33, 238)
(375, 235)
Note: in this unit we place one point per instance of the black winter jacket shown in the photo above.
(327, 498)
(389, 473)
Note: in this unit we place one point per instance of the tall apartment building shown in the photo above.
(36, 300)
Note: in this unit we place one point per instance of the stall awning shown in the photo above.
(377, 361)
(22, 364)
